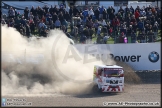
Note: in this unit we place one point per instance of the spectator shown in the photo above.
(140, 36)
(132, 10)
(26, 13)
(149, 13)
(103, 22)
(52, 25)
(137, 9)
(11, 13)
(83, 39)
(51, 10)
(86, 33)
(140, 25)
(137, 15)
(111, 31)
(3, 22)
(128, 20)
(105, 39)
(54, 17)
(63, 28)
(85, 14)
(133, 37)
(67, 16)
(96, 13)
(96, 25)
(104, 14)
(65, 23)
(46, 8)
(143, 39)
(142, 13)
(28, 31)
(122, 38)
(112, 9)
(57, 23)
(155, 30)
(41, 24)
(108, 11)
(111, 16)
(71, 11)
(75, 11)
(101, 9)
(31, 17)
(61, 17)
(133, 20)
(33, 11)
(43, 19)
(48, 17)
(127, 10)
(151, 37)
(99, 30)
(75, 32)
(11, 23)
(153, 20)
(146, 28)
(90, 12)
(119, 16)
(129, 31)
(99, 39)
(121, 10)
(32, 27)
(90, 33)
(22, 29)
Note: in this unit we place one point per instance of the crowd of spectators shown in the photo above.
(126, 25)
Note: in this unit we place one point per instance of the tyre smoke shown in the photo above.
(38, 66)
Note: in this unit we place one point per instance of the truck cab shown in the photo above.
(109, 78)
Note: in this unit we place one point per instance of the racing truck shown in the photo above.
(108, 78)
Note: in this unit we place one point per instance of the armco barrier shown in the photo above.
(143, 56)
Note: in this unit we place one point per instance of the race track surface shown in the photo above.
(149, 90)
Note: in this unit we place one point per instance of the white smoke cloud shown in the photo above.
(24, 78)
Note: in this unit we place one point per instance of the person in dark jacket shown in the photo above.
(28, 31)
(91, 32)
(75, 10)
(151, 36)
(143, 38)
(51, 10)
(129, 31)
(140, 36)
(86, 33)
(32, 27)
(121, 10)
(26, 13)
(133, 37)
(54, 17)
(97, 13)
(33, 11)
(111, 16)
(61, 17)
(104, 14)
(67, 16)
(140, 25)
(46, 8)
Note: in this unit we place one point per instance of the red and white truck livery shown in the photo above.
(109, 78)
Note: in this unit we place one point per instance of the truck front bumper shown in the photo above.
(110, 88)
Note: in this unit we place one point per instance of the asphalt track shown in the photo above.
(149, 90)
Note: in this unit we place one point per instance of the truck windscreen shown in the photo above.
(111, 72)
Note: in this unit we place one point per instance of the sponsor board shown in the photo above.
(144, 56)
